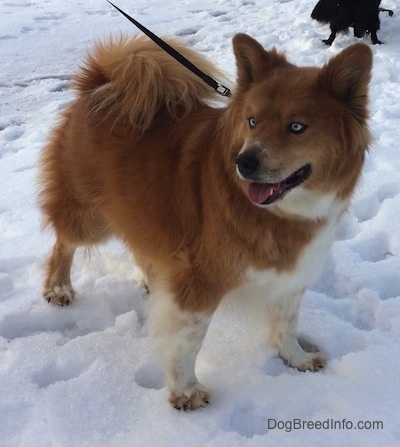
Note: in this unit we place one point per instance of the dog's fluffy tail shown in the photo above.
(132, 78)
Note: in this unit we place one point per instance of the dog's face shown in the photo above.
(303, 130)
(278, 152)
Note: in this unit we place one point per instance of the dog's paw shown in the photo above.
(197, 396)
(312, 362)
(307, 359)
(61, 295)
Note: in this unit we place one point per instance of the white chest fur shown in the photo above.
(270, 285)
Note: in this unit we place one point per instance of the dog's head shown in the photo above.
(300, 132)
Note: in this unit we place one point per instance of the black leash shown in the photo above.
(218, 87)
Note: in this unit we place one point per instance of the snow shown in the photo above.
(88, 374)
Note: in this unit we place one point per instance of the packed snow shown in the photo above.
(88, 374)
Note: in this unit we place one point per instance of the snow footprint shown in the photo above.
(19, 4)
(245, 419)
(95, 12)
(221, 16)
(59, 86)
(23, 324)
(375, 248)
(367, 207)
(51, 17)
(188, 32)
(150, 375)
(8, 37)
(57, 371)
(217, 13)
(12, 132)
(6, 285)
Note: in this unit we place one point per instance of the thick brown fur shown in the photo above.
(142, 155)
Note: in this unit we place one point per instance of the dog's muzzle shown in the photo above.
(260, 193)
(248, 164)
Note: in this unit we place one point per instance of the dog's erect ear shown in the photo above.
(346, 77)
(254, 63)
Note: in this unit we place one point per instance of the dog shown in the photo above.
(212, 199)
(362, 15)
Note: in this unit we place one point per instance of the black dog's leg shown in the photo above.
(374, 38)
(358, 32)
(389, 11)
(330, 39)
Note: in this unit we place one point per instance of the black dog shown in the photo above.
(362, 15)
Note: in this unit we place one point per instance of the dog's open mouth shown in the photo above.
(266, 193)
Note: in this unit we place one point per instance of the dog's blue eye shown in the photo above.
(297, 127)
(252, 122)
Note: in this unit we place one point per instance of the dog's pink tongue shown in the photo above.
(259, 192)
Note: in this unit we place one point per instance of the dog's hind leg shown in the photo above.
(330, 39)
(69, 208)
(75, 224)
(389, 11)
(57, 288)
(82, 227)
(374, 38)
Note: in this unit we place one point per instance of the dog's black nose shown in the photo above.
(247, 163)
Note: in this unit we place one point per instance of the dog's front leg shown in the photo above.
(283, 318)
(180, 334)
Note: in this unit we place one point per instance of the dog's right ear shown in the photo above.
(254, 64)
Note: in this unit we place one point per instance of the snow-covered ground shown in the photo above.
(87, 375)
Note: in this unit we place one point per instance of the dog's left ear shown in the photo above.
(346, 77)
(254, 63)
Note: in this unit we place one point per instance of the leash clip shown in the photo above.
(222, 90)
(219, 88)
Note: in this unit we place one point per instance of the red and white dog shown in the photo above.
(209, 200)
